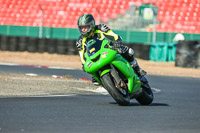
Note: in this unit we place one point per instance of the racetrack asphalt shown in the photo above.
(175, 109)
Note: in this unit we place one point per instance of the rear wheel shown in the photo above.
(108, 83)
(146, 96)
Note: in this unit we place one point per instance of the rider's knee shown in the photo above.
(131, 52)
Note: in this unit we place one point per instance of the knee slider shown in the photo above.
(131, 52)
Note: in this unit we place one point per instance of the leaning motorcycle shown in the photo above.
(115, 73)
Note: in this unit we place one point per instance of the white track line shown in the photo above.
(103, 91)
(39, 96)
(37, 66)
(99, 90)
(67, 68)
(31, 74)
(66, 95)
(155, 90)
(9, 64)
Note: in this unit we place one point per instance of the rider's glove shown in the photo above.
(79, 44)
(117, 45)
(103, 27)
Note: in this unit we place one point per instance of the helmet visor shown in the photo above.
(84, 29)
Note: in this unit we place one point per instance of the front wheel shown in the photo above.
(108, 83)
(146, 96)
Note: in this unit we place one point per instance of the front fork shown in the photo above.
(133, 86)
(108, 68)
(120, 84)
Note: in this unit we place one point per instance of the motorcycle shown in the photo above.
(115, 73)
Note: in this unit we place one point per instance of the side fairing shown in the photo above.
(105, 57)
(134, 83)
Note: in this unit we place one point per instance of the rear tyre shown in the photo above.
(146, 96)
(114, 91)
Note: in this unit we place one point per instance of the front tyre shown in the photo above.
(114, 91)
(146, 96)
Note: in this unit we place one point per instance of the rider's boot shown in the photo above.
(139, 71)
(128, 54)
(94, 81)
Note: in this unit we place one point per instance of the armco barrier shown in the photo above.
(22, 43)
(141, 50)
(42, 45)
(51, 45)
(187, 54)
(72, 49)
(33, 44)
(13, 43)
(128, 36)
(4, 43)
(198, 54)
(59, 46)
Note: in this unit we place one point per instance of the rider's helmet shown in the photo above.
(86, 24)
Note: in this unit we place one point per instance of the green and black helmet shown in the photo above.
(86, 20)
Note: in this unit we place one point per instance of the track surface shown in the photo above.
(175, 109)
(43, 70)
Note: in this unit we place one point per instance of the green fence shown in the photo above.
(48, 32)
(68, 33)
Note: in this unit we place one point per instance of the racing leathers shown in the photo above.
(100, 32)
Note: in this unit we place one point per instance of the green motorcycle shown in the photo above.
(115, 73)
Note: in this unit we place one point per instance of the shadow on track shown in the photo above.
(137, 104)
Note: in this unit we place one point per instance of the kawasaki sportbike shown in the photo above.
(115, 73)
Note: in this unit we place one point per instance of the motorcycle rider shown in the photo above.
(88, 30)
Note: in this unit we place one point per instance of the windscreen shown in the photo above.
(93, 46)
